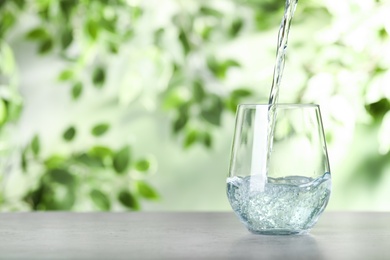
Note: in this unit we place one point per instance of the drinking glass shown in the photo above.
(279, 179)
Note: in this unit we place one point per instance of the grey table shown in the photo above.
(186, 236)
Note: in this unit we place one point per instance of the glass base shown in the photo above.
(278, 232)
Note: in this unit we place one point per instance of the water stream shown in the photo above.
(281, 49)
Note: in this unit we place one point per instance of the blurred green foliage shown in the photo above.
(340, 67)
(85, 34)
(96, 171)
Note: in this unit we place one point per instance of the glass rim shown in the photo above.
(282, 105)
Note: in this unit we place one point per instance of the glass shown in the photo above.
(282, 190)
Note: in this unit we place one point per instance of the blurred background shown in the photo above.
(129, 104)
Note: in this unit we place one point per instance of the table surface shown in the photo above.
(191, 235)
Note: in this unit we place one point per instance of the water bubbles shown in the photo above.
(290, 203)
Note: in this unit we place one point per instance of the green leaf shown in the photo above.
(173, 99)
(3, 112)
(101, 152)
(44, 12)
(61, 176)
(54, 161)
(231, 104)
(20, 3)
(213, 112)
(329, 137)
(45, 46)
(180, 122)
(66, 38)
(66, 7)
(264, 21)
(92, 29)
(383, 34)
(121, 160)
(90, 161)
(128, 200)
(136, 12)
(77, 90)
(236, 27)
(98, 77)
(7, 20)
(241, 93)
(14, 109)
(214, 67)
(100, 199)
(128, 34)
(184, 41)
(198, 91)
(109, 24)
(379, 70)
(35, 145)
(218, 68)
(182, 119)
(206, 32)
(146, 191)
(142, 165)
(69, 134)
(34, 198)
(210, 11)
(7, 60)
(378, 109)
(191, 138)
(38, 33)
(230, 63)
(65, 75)
(100, 129)
(23, 160)
(113, 47)
(207, 140)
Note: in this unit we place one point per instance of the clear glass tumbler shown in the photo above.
(279, 179)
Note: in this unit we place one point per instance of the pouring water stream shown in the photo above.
(263, 145)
